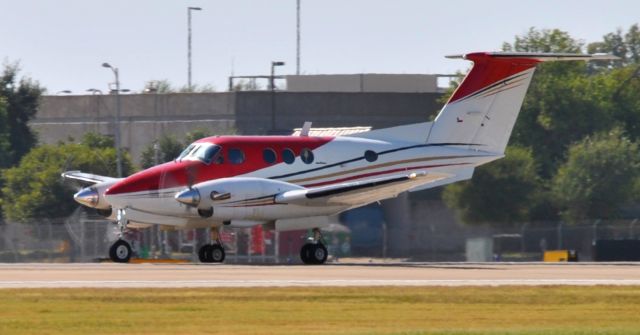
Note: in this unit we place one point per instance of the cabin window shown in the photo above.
(370, 156)
(306, 155)
(209, 154)
(288, 156)
(269, 155)
(186, 151)
(236, 156)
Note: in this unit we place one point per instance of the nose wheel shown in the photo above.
(314, 252)
(214, 252)
(120, 252)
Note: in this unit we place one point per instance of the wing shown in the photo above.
(87, 178)
(360, 192)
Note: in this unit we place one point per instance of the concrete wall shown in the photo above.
(292, 109)
(370, 82)
(146, 117)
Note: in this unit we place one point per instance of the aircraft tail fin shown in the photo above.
(482, 111)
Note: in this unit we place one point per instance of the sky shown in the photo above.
(63, 43)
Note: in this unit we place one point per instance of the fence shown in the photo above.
(85, 238)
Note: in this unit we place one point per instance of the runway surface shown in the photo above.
(108, 275)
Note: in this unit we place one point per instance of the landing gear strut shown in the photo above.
(314, 251)
(120, 251)
(214, 252)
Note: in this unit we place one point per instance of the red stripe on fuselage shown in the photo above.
(176, 174)
(372, 174)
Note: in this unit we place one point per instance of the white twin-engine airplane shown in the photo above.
(243, 181)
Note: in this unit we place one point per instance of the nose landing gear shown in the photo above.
(120, 251)
(314, 252)
(214, 252)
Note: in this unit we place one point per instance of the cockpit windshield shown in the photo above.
(204, 152)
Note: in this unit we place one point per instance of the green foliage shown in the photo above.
(21, 98)
(545, 40)
(5, 141)
(169, 147)
(196, 134)
(499, 192)
(94, 140)
(34, 188)
(563, 104)
(598, 177)
(566, 103)
(626, 46)
(164, 150)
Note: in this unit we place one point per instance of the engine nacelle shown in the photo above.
(238, 198)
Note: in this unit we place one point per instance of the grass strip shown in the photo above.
(326, 310)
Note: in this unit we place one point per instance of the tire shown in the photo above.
(319, 254)
(120, 252)
(217, 253)
(313, 253)
(204, 253)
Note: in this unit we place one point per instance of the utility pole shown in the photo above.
(272, 87)
(298, 37)
(189, 9)
(116, 127)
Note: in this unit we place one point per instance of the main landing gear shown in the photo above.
(120, 251)
(314, 251)
(214, 252)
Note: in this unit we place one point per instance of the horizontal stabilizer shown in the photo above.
(541, 57)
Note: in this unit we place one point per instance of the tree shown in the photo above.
(164, 150)
(545, 40)
(598, 177)
(169, 147)
(500, 193)
(565, 102)
(34, 188)
(626, 46)
(5, 141)
(21, 98)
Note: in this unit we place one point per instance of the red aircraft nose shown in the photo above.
(159, 177)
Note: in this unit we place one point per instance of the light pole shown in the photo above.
(97, 93)
(272, 85)
(189, 9)
(116, 128)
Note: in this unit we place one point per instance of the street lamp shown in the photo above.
(116, 127)
(273, 70)
(189, 10)
(94, 91)
(273, 93)
(97, 93)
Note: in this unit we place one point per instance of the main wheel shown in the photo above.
(204, 253)
(217, 253)
(305, 253)
(320, 253)
(120, 252)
